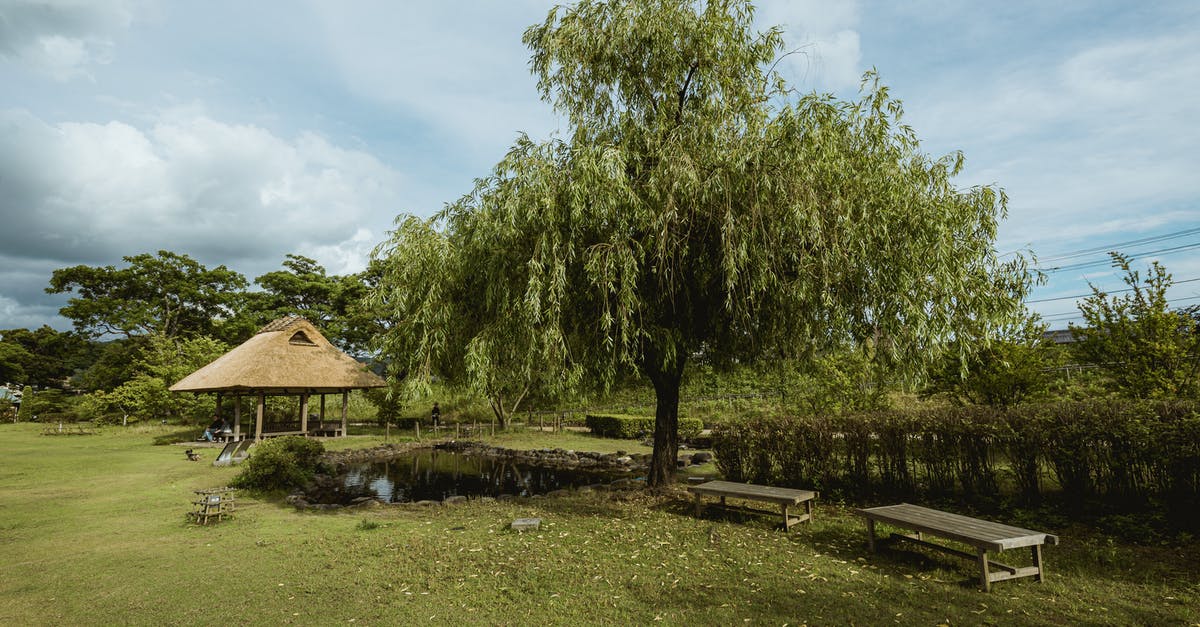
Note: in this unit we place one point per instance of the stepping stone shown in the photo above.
(526, 524)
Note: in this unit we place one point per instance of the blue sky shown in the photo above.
(239, 132)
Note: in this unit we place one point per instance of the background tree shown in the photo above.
(46, 357)
(145, 395)
(1146, 349)
(699, 207)
(167, 294)
(439, 328)
(333, 303)
(1012, 368)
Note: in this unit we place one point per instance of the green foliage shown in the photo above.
(697, 206)
(167, 294)
(1012, 367)
(47, 406)
(43, 357)
(1111, 454)
(146, 396)
(25, 413)
(1146, 349)
(281, 464)
(631, 427)
(332, 303)
(13, 361)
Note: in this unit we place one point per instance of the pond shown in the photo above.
(434, 475)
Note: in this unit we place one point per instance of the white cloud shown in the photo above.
(824, 34)
(224, 193)
(1098, 141)
(62, 38)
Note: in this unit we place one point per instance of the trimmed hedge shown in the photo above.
(631, 427)
(1122, 454)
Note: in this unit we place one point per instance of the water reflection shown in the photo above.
(431, 474)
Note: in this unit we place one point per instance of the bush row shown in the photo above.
(629, 427)
(1124, 452)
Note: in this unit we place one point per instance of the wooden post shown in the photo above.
(541, 427)
(237, 418)
(418, 424)
(456, 436)
(984, 576)
(493, 426)
(1037, 562)
(322, 410)
(217, 413)
(304, 413)
(262, 409)
(871, 535)
(345, 411)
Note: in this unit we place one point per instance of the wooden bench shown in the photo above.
(982, 534)
(784, 497)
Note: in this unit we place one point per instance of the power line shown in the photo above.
(1067, 315)
(1119, 245)
(1129, 289)
(1087, 264)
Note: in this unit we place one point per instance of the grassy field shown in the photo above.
(93, 531)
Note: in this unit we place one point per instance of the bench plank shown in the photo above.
(973, 531)
(784, 497)
(984, 535)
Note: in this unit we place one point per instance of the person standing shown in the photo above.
(436, 415)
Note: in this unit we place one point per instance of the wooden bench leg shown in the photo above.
(985, 577)
(808, 510)
(787, 521)
(697, 505)
(871, 534)
(1037, 562)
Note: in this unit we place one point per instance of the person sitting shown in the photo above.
(215, 429)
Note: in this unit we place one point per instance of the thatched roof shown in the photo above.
(287, 356)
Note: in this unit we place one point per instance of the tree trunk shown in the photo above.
(666, 379)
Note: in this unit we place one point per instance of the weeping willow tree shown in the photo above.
(695, 206)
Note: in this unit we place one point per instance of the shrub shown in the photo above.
(1117, 455)
(630, 427)
(282, 464)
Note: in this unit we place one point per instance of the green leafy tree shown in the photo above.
(1014, 366)
(146, 395)
(1146, 349)
(14, 360)
(25, 412)
(697, 206)
(331, 302)
(45, 356)
(167, 294)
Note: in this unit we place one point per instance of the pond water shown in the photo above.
(432, 474)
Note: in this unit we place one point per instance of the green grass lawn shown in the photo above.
(93, 531)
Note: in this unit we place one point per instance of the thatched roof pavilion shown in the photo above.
(288, 357)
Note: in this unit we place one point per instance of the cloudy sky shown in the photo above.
(238, 132)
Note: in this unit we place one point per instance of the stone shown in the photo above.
(505, 497)
(455, 500)
(427, 503)
(557, 493)
(624, 459)
(527, 524)
(701, 458)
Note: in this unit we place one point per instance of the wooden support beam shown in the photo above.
(237, 417)
(304, 412)
(262, 409)
(345, 411)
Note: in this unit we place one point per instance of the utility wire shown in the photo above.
(1129, 289)
(1087, 264)
(1119, 245)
